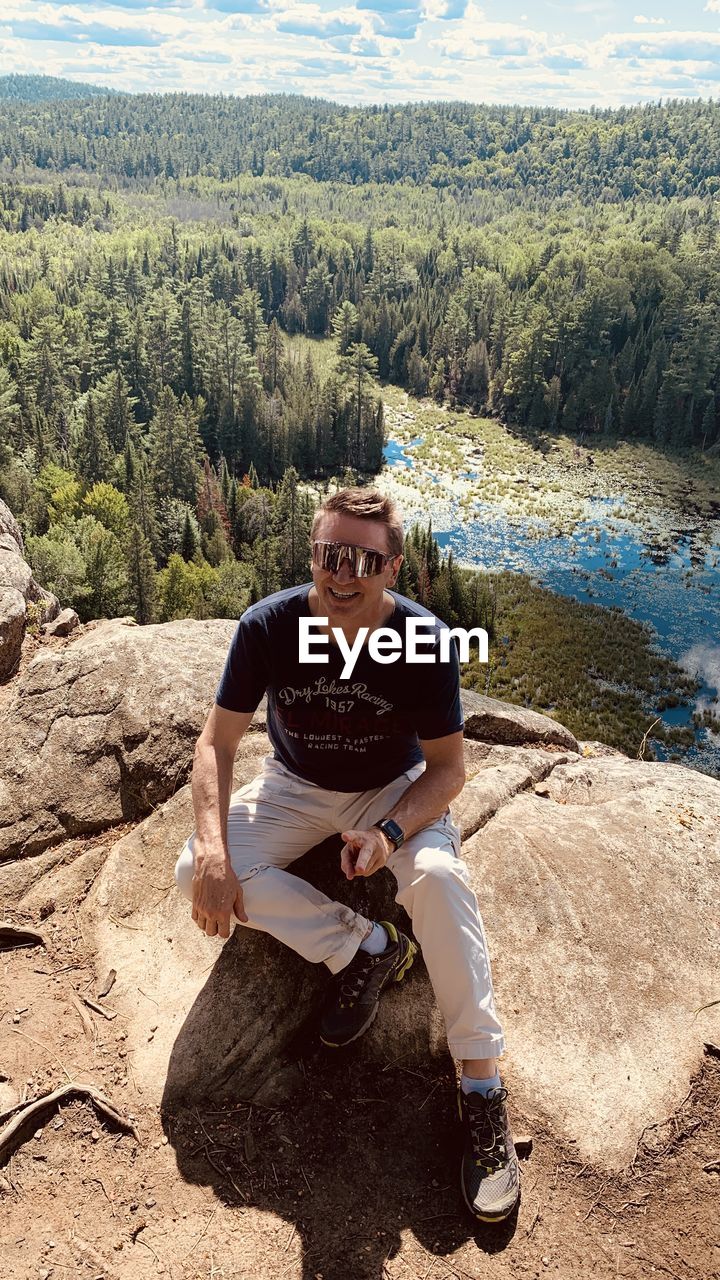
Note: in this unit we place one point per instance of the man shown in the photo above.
(377, 756)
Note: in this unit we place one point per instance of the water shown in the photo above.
(672, 585)
(395, 454)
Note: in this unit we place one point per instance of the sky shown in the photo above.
(548, 52)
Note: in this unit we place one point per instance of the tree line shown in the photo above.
(656, 149)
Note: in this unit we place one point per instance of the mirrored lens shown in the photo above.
(362, 562)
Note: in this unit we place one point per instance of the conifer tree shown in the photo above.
(92, 450)
(175, 447)
(190, 543)
(292, 524)
(140, 574)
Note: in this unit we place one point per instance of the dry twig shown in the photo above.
(643, 744)
(106, 1013)
(87, 1024)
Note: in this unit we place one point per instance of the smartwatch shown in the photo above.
(393, 831)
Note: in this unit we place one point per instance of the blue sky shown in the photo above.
(549, 52)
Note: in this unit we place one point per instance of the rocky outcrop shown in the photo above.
(18, 590)
(495, 721)
(66, 622)
(598, 880)
(10, 529)
(104, 728)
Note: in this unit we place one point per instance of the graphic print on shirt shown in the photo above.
(328, 714)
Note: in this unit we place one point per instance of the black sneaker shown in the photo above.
(489, 1175)
(354, 994)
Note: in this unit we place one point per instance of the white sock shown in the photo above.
(376, 942)
(468, 1085)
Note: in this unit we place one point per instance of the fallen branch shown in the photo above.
(13, 1133)
(106, 1013)
(87, 1024)
(107, 985)
(712, 1005)
(713, 1166)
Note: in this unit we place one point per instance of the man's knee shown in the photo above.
(439, 867)
(185, 869)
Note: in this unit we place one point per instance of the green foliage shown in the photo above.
(185, 590)
(109, 506)
(651, 150)
(141, 575)
(59, 565)
(185, 345)
(592, 668)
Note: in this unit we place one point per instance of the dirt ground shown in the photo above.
(355, 1179)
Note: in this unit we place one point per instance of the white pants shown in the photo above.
(278, 816)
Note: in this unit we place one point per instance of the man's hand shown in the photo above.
(217, 893)
(364, 852)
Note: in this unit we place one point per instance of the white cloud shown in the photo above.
(655, 22)
(455, 53)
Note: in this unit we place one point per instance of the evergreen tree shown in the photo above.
(140, 574)
(175, 447)
(358, 369)
(92, 455)
(292, 525)
(190, 541)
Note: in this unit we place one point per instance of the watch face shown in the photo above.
(392, 830)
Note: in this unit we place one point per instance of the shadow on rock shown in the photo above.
(355, 1148)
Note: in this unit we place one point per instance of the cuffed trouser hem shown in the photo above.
(477, 1048)
(345, 954)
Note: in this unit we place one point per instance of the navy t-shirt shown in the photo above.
(343, 735)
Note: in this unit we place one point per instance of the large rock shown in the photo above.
(66, 622)
(103, 729)
(600, 889)
(18, 589)
(12, 629)
(598, 880)
(495, 721)
(9, 527)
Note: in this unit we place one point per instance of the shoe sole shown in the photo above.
(406, 964)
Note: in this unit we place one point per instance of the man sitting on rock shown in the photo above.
(376, 757)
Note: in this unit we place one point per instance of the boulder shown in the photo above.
(598, 880)
(12, 629)
(599, 888)
(18, 589)
(104, 729)
(495, 721)
(9, 527)
(66, 622)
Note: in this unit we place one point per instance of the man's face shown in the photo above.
(342, 597)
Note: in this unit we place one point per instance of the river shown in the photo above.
(672, 583)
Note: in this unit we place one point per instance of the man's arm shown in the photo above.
(429, 795)
(424, 801)
(216, 889)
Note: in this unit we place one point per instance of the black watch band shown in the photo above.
(393, 831)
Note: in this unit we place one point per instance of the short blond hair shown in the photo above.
(365, 504)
